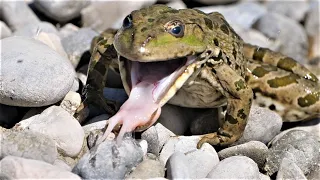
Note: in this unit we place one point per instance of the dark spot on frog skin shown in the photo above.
(258, 90)
(171, 11)
(208, 23)
(287, 64)
(144, 29)
(283, 81)
(272, 107)
(150, 20)
(241, 114)
(223, 133)
(216, 42)
(309, 99)
(259, 53)
(240, 85)
(231, 119)
(224, 28)
(260, 71)
(19, 61)
(234, 52)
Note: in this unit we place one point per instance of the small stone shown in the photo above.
(58, 124)
(30, 70)
(156, 136)
(67, 30)
(289, 33)
(4, 30)
(299, 146)
(263, 125)
(31, 145)
(9, 115)
(101, 15)
(255, 150)
(33, 30)
(78, 43)
(109, 160)
(178, 166)
(61, 11)
(61, 164)
(148, 168)
(21, 168)
(289, 170)
(144, 146)
(71, 102)
(295, 10)
(235, 167)
(177, 4)
(52, 40)
(17, 14)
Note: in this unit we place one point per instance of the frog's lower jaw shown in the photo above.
(151, 86)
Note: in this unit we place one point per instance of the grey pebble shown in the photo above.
(33, 74)
(71, 102)
(78, 43)
(295, 10)
(32, 145)
(299, 146)
(109, 160)
(255, 150)
(17, 14)
(58, 124)
(235, 167)
(178, 166)
(148, 168)
(21, 168)
(4, 30)
(32, 30)
(290, 34)
(67, 30)
(61, 11)
(263, 124)
(289, 170)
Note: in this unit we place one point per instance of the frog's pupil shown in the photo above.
(127, 22)
(176, 30)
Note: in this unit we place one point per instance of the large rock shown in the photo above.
(33, 74)
(61, 11)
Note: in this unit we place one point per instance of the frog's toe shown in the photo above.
(219, 139)
(211, 138)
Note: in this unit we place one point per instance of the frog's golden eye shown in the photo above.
(176, 28)
(127, 22)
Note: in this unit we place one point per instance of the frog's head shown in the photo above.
(160, 33)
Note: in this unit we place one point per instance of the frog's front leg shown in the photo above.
(239, 98)
(102, 56)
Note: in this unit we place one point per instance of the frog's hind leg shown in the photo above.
(239, 98)
(103, 55)
(282, 85)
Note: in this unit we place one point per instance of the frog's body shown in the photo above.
(206, 65)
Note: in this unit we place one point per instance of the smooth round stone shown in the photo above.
(33, 74)
(61, 11)
(178, 166)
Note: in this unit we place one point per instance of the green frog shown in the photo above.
(192, 59)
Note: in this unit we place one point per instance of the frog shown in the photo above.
(192, 59)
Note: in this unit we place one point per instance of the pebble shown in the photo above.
(21, 168)
(4, 30)
(29, 71)
(109, 160)
(147, 169)
(101, 15)
(17, 14)
(235, 167)
(71, 102)
(9, 115)
(59, 125)
(289, 170)
(289, 33)
(53, 41)
(289, 9)
(177, 166)
(263, 124)
(33, 30)
(78, 43)
(299, 146)
(67, 30)
(31, 145)
(156, 136)
(61, 164)
(255, 150)
(61, 11)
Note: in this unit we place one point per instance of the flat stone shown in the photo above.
(235, 167)
(263, 124)
(17, 14)
(21, 168)
(109, 160)
(255, 150)
(30, 70)
(31, 145)
(61, 11)
(58, 124)
(289, 33)
(4, 30)
(299, 146)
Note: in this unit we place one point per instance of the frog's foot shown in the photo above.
(219, 139)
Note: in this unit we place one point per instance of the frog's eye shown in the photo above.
(176, 28)
(127, 22)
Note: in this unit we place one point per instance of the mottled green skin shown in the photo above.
(227, 70)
